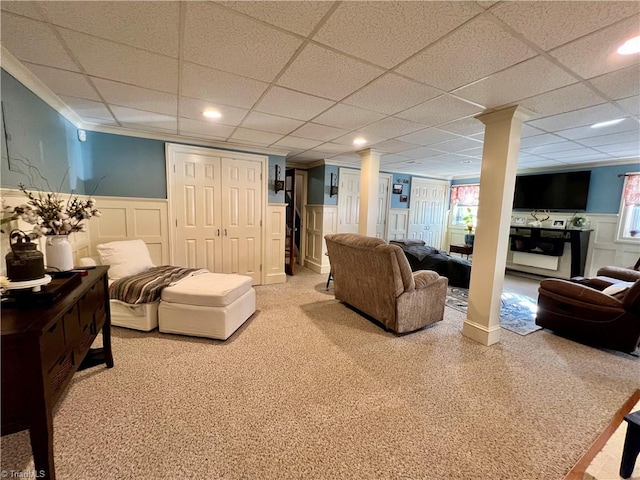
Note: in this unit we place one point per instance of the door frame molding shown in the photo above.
(389, 176)
(172, 148)
(303, 216)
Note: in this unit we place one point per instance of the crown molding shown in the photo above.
(16, 69)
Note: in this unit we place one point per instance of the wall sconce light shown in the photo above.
(333, 189)
(278, 184)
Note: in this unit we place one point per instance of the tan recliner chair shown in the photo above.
(376, 278)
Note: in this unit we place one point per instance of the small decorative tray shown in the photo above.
(60, 284)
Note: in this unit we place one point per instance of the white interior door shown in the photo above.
(348, 201)
(197, 211)
(384, 185)
(427, 211)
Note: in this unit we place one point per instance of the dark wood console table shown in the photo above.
(42, 347)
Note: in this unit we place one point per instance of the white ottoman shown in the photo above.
(211, 305)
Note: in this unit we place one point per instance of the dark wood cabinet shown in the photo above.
(42, 347)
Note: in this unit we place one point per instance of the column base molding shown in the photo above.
(480, 333)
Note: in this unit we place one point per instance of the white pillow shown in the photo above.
(617, 288)
(126, 257)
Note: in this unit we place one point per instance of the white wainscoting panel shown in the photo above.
(321, 220)
(128, 218)
(604, 250)
(397, 224)
(274, 261)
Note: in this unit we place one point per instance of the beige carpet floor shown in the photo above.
(309, 389)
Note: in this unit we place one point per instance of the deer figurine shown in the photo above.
(538, 217)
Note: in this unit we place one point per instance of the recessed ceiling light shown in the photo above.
(212, 114)
(607, 123)
(630, 47)
(359, 141)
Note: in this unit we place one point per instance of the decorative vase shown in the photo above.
(59, 253)
(24, 261)
(469, 238)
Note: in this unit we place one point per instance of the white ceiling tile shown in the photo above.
(392, 93)
(220, 38)
(391, 127)
(220, 87)
(631, 104)
(524, 158)
(428, 136)
(20, 7)
(297, 17)
(308, 156)
(102, 58)
(193, 108)
(562, 100)
(140, 118)
(578, 159)
(467, 55)
(315, 131)
(88, 108)
(578, 133)
(538, 140)
(325, 73)
(619, 147)
(622, 83)
(596, 54)
(630, 136)
(63, 82)
(152, 26)
(40, 46)
(393, 146)
(566, 155)
(524, 80)
(585, 116)
(331, 148)
(255, 136)
(627, 155)
(350, 137)
(440, 110)
(549, 24)
(299, 106)
(386, 33)
(297, 142)
(529, 131)
(456, 145)
(465, 126)
(421, 152)
(206, 129)
(136, 97)
(161, 127)
(270, 123)
(348, 117)
(99, 121)
(552, 147)
(543, 163)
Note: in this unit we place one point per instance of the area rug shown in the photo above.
(517, 313)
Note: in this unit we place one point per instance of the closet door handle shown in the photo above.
(225, 232)
(218, 233)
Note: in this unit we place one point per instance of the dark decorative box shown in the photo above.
(61, 284)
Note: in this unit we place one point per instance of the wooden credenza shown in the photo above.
(42, 348)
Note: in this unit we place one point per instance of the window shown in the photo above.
(629, 226)
(464, 197)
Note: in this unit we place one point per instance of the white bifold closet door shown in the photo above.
(217, 210)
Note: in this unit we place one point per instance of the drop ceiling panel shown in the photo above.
(595, 54)
(96, 111)
(220, 87)
(330, 149)
(189, 126)
(41, 46)
(393, 146)
(220, 38)
(552, 147)
(139, 119)
(585, 116)
(255, 136)
(297, 143)
(63, 82)
(270, 123)
(630, 105)
(564, 99)
(292, 104)
(586, 132)
(421, 152)
(550, 24)
(456, 145)
(392, 93)
(622, 83)
(427, 136)
(631, 136)
(155, 27)
(570, 155)
(466, 56)
(297, 17)
(538, 140)
(26, 9)
(465, 126)
(136, 97)
(387, 32)
(440, 110)
(102, 58)
(620, 147)
(350, 137)
(316, 131)
(391, 127)
(347, 117)
(325, 73)
(193, 108)
(524, 80)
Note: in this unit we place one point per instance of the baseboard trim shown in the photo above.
(480, 333)
(322, 269)
(275, 278)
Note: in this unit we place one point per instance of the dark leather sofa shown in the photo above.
(590, 316)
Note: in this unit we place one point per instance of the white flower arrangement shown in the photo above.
(51, 215)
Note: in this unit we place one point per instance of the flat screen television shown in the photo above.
(552, 191)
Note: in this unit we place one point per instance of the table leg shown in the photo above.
(631, 449)
(41, 434)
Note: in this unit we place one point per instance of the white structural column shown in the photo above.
(369, 172)
(497, 183)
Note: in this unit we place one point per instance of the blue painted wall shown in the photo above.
(40, 136)
(400, 178)
(315, 185)
(328, 170)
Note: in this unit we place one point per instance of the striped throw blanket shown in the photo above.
(146, 287)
